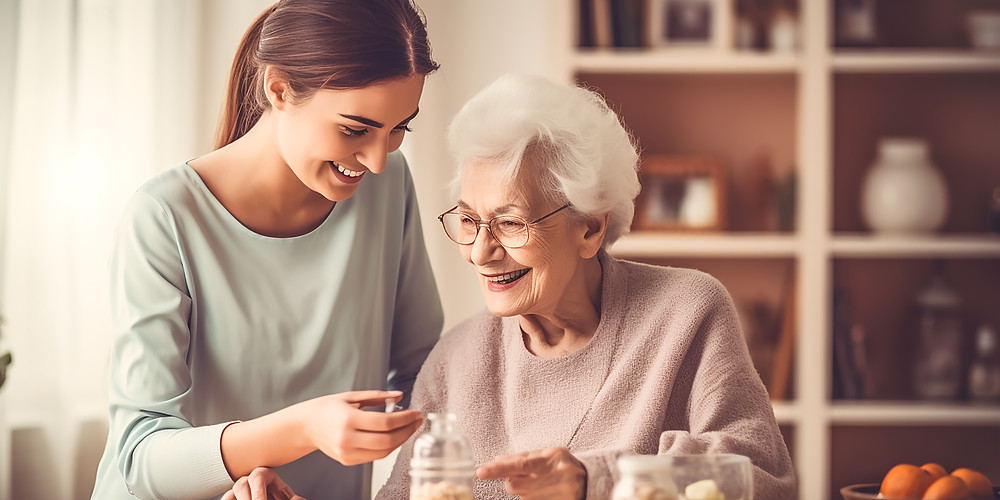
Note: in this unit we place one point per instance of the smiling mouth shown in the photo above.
(348, 173)
(507, 278)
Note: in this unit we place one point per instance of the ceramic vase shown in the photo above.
(903, 192)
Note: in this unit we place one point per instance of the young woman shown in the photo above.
(263, 293)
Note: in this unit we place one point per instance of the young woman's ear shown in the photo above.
(276, 88)
(593, 238)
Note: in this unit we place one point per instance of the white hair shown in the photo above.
(586, 155)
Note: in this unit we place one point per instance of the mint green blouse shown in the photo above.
(214, 323)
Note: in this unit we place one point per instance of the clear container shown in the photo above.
(442, 467)
(712, 476)
(984, 374)
(644, 477)
(938, 371)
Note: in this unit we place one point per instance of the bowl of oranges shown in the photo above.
(930, 481)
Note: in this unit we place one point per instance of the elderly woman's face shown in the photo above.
(530, 279)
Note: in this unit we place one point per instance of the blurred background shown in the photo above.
(835, 163)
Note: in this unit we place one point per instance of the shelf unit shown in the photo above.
(822, 432)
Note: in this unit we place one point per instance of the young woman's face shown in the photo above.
(531, 279)
(334, 139)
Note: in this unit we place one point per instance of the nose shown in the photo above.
(485, 248)
(374, 154)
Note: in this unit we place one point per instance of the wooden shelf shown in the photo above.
(682, 60)
(665, 244)
(909, 60)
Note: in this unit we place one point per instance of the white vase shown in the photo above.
(903, 192)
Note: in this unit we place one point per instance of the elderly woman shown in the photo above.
(581, 357)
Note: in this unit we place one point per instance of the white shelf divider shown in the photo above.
(682, 60)
(649, 244)
(909, 60)
(940, 246)
(912, 413)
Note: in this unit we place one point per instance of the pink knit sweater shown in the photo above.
(667, 372)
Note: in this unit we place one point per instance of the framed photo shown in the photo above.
(681, 193)
(689, 23)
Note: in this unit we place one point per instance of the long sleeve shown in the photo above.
(149, 374)
(729, 410)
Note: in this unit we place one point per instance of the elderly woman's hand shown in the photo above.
(262, 484)
(552, 473)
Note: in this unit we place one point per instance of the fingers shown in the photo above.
(263, 483)
(388, 440)
(386, 422)
(552, 473)
(529, 462)
(370, 398)
(239, 491)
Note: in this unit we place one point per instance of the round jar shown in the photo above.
(442, 467)
(903, 192)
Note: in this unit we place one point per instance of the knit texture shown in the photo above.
(667, 372)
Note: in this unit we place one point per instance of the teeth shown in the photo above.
(503, 279)
(349, 173)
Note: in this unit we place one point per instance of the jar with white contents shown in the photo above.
(644, 477)
(442, 467)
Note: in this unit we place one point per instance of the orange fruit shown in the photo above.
(979, 485)
(936, 470)
(947, 488)
(905, 481)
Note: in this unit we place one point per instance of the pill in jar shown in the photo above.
(441, 490)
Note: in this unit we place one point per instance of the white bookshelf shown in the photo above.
(815, 245)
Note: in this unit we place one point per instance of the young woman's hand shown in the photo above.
(262, 484)
(552, 473)
(345, 432)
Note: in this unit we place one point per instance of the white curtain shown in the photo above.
(104, 96)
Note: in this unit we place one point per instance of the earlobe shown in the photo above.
(593, 239)
(276, 89)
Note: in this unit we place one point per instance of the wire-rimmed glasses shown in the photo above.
(509, 230)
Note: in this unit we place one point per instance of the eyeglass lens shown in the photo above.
(509, 230)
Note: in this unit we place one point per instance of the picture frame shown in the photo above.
(681, 193)
(689, 23)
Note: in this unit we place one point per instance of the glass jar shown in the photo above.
(984, 374)
(442, 467)
(938, 372)
(644, 477)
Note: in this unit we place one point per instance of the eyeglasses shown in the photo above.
(510, 231)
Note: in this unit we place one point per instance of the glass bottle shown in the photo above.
(995, 211)
(984, 374)
(644, 477)
(938, 368)
(442, 467)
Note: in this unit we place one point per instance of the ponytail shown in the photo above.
(241, 108)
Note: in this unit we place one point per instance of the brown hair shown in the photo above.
(322, 44)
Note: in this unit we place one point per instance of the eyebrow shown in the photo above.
(504, 209)
(373, 123)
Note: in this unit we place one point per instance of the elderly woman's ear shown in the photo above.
(593, 237)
